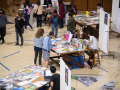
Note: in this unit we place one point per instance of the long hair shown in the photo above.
(39, 33)
(27, 3)
(38, 2)
(60, 2)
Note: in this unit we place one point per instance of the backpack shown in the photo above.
(55, 20)
(88, 64)
(64, 8)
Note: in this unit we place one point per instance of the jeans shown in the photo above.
(17, 37)
(27, 23)
(2, 33)
(61, 23)
(56, 30)
(36, 55)
(39, 20)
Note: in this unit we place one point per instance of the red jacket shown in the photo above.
(54, 14)
(61, 13)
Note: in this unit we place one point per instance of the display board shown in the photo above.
(115, 25)
(104, 32)
(65, 76)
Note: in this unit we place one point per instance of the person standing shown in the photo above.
(54, 80)
(27, 19)
(71, 24)
(74, 9)
(46, 48)
(98, 9)
(38, 8)
(61, 13)
(38, 43)
(54, 19)
(27, 6)
(3, 22)
(19, 23)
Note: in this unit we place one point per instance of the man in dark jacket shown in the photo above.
(3, 22)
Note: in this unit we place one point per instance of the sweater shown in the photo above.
(38, 42)
(19, 22)
(47, 44)
(3, 21)
(26, 16)
(27, 7)
(71, 24)
(54, 14)
(39, 9)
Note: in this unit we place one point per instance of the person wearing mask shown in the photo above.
(3, 22)
(61, 13)
(66, 18)
(74, 9)
(27, 19)
(94, 44)
(38, 43)
(71, 24)
(38, 8)
(46, 48)
(98, 9)
(54, 19)
(19, 23)
(54, 80)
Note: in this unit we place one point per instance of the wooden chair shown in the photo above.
(95, 59)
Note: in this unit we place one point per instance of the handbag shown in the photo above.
(22, 29)
(88, 64)
(35, 14)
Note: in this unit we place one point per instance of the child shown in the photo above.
(74, 9)
(27, 19)
(54, 19)
(80, 34)
(46, 48)
(93, 42)
(55, 79)
(38, 43)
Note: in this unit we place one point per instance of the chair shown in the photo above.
(95, 59)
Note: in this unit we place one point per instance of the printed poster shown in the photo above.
(66, 75)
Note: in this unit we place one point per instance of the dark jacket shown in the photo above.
(26, 16)
(54, 14)
(75, 12)
(19, 23)
(3, 21)
(61, 13)
(71, 24)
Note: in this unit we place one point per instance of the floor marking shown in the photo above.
(4, 66)
(11, 54)
(19, 45)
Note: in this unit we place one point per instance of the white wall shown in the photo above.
(114, 19)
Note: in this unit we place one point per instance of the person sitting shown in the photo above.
(74, 9)
(93, 42)
(66, 18)
(71, 24)
(55, 79)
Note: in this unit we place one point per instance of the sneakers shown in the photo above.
(32, 29)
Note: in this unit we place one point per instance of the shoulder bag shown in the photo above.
(35, 14)
(22, 29)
